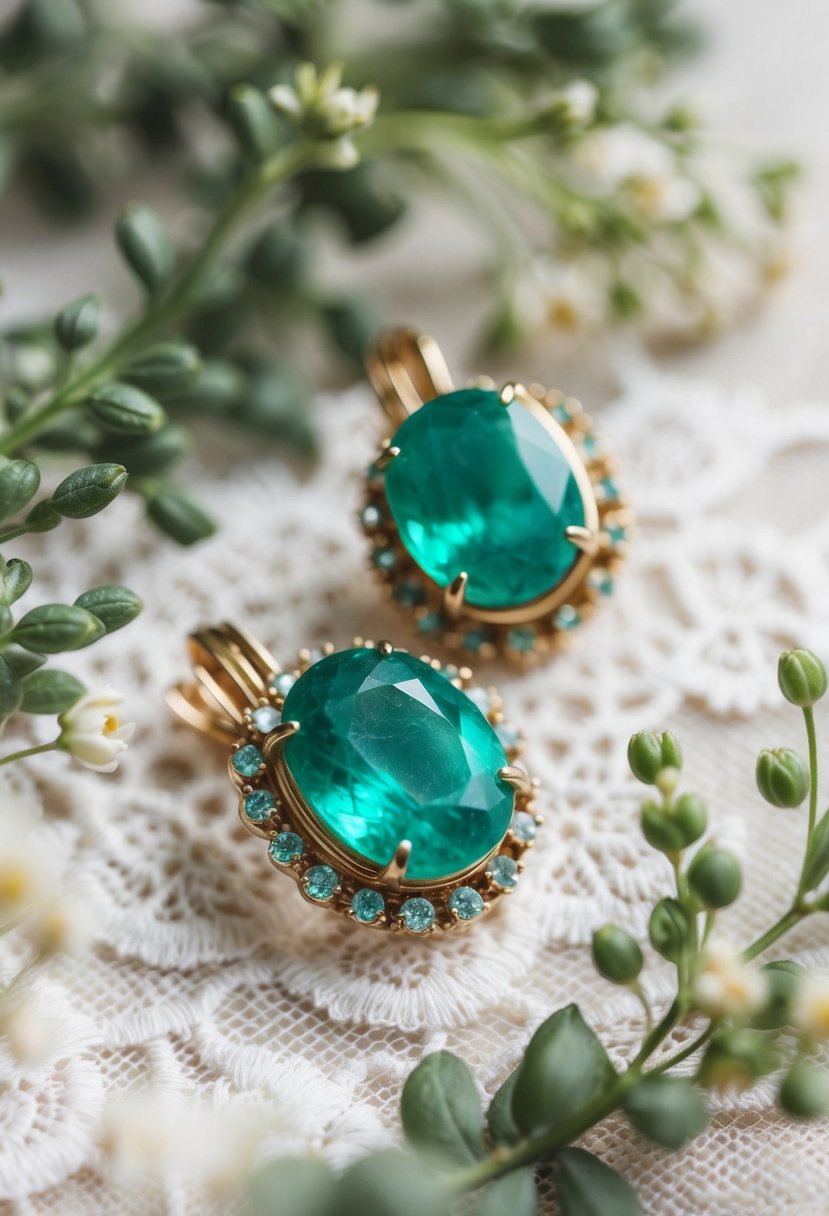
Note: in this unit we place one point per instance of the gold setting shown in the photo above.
(234, 677)
(407, 369)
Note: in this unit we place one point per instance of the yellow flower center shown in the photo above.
(110, 724)
(14, 884)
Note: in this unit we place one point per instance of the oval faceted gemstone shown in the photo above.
(389, 750)
(483, 487)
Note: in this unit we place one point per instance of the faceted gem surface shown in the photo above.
(247, 760)
(504, 873)
(466, 902)
(321, 882)
(483, 487)
(266, 718)
(524, 827)
(286, 847)
(367, 905)
(418, 914)
(389, 750)
(259, 805)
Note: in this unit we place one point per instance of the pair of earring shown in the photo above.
(384, 783)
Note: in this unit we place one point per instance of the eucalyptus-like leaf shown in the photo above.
(21, 661)
(390, 1183)
(254, 122)
(76, 325)
(352, 325)
(441, 1111)
(292, 1186)
(19, 482)
(48, 691)
(145, 246)
(219, 386)
(6, 620)
(565, 1067)
(499, 1117)
(670, 1110)
(512, 1195)
(88, 490)
(11, 690)
(113, 606)
(16, 580)
(127, 409)
(177, 514)
(587, 1187)
(817, 856)
(168, 367)
(52, 628)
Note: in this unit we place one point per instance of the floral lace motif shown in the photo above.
(208, 975)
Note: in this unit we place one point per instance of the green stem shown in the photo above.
(29, 751)
(165, 310)
(809, 718)
(787, 921)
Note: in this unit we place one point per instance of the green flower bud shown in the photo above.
(660, 829)
(782, 777)
(669, 929)
(690, 814)
(735, 1059)
(76, 325)
(616, 955)
(783, 978)
(145, 246)
(649, 753)
(168, 367)
(805, 1091)
(177, 514)
(124, 408)
(714, 877)
(88, 490)
(801, 676)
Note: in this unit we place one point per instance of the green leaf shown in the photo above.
(147, 455)
(76, 325)
(17, 579)
(512, 1195)
(145, 246)
(177, 514)
(390, 1183)
(292, 1186)
(127, 409)
(499, 1117)
(21, 661)
(166, 368)
(587, 1187)
(19, 482)
(254, 122)
(817, 856)
(441, 1111)
(564, 1068)
(667, 1109)
(87, 491)
(11, 690)
(48, 691)
(51, 628)
(113, 606)
(352, 325)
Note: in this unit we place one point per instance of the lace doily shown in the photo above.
(205, 976)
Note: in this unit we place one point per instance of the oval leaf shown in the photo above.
(512, 1195)
(390, 1183)
(19, 482)
(76, 325)
(125, 408)
(113, 606)
(441, 1111)
(499, 1117)
(667, 1109)
(17, 579)
(292, 1185)
(10, 690)
(165, 368)
(145, 245)
(87, 491)
(175, 513)
(564, 1068)
(52, 628)
(587, 1187)
(50, 692)
(21, 661)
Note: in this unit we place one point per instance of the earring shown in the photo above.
(384, 784)
(494, 517)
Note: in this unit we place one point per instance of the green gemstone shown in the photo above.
(321, 883)
(504, 872)
(286, 847)
(466, 902)
(367, 905)
(390, 750)
(524, 826)
(418, 914)
(259, 805)
(484, 487)
(247, 760)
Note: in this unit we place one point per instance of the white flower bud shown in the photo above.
(580, 98)
(93, 732)
(63, 926)
(810, 1006)
(727, 987)
(29, 1035)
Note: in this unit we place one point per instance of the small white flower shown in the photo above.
(727, 987)
(663, 198)
(93, 732)
(63, 926)
(609, 156)
(321, 106)
(579, 98)
(25, 876)
(29, 1035)
(571, 300)
(810, 1007)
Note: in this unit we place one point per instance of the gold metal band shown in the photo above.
(233, 672)
(406, 369)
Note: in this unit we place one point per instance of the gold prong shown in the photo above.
(516, 777)
(583, 538)
(385, 648)
(453, 596)
(395, 871)
(387, 455)
(275, 741)
(507, 393)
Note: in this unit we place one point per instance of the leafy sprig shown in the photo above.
(747, 1021)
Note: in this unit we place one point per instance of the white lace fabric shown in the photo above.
(209, 974)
